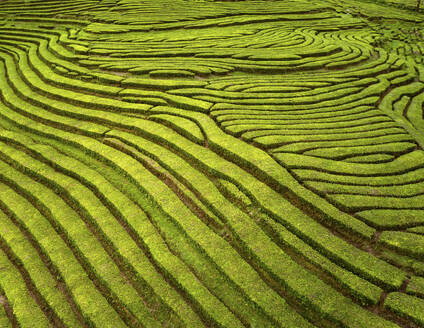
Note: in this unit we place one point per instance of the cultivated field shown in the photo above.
(183, 163)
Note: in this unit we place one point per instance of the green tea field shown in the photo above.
(205, 163)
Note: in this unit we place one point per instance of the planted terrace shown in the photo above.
(211, 164)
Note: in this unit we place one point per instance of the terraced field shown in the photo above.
(211, 164)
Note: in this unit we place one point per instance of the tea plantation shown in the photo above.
(201, 163)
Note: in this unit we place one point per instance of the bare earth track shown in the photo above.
(211, 164)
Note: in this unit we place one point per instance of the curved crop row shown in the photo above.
(232, 165)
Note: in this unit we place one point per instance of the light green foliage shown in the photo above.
(44, 281)
(406, 306)
(408, 243)
(208, 163)
(4, 320)
(25, 308)
(416, 286)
